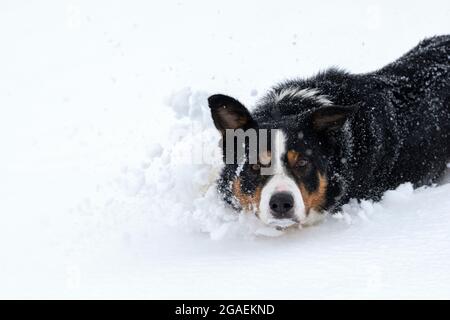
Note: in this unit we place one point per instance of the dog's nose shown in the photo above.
(281, 204)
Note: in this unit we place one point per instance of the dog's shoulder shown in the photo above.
(298, 96)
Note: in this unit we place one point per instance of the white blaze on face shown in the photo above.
(280, 182)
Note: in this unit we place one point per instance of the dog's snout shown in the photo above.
(281, 204)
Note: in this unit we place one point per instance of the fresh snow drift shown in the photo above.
(109, 155)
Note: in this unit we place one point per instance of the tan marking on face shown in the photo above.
(248, 202)
(316, 199)
(265, 157)
(292, 157)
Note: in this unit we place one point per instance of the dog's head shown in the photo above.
(287, 168)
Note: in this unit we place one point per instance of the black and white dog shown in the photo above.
(342, 136)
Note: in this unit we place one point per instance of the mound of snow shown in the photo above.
(175, 185)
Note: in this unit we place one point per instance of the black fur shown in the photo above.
(383, 128)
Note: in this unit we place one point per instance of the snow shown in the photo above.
(109, 156)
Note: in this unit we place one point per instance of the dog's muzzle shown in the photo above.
(282, 205)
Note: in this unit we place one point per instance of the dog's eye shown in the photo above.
(301, 163)
(256, 167)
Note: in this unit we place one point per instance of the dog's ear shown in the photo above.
(332, 117)
(228, 113)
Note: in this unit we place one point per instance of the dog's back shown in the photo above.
(420, 86)
(410, 126)
(402, 132)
